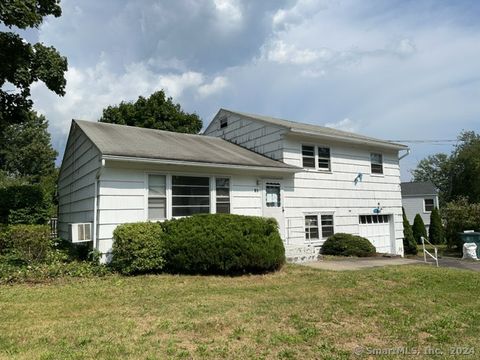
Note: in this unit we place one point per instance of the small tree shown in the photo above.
(436, 231)
(409, 243)
(419, 229)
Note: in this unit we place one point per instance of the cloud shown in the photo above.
(218, 83)
(280, 52)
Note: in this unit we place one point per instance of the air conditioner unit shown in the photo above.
(81, 232)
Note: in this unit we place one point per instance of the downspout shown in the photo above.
(404, 155)
(95, 205)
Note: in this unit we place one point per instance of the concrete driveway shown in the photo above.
(342, 264)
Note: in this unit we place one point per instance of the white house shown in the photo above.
(315, 181)
(419, 198)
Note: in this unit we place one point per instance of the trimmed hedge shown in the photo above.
(138, 248)
(26, 243)
(342, 244)
(223, 244)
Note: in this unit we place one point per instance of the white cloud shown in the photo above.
(345, 125)
(219, 83)
(280, 52)
(299, 12)
(229, 14)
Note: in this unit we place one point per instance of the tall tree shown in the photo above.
(466, 167)
(409, 243)
(21, 63)
(26, 151)
(437, 169)
(436, 231)
(155, 112)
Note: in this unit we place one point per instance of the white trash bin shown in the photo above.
(470, 251)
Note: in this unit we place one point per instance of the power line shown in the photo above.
(424, 141)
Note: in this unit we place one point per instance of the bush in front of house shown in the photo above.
(409, 242)
(342, 244)
(436, 233)
(223, 244)
(419, 229)
(138, 248)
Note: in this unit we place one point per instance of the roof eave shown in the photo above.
(286, 169)
(387, 145)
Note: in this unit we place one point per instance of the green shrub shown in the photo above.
(23, 204)
(342, 244)
(459, 215)
(436, 231)
(409, 243)
(419, 229)
(26, 243)
(223, 244)
(138, 248)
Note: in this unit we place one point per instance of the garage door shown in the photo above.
(376, 228)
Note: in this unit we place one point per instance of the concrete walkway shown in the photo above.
(456, 263)
(360, 263)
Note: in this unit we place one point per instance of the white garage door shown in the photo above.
(376, 228)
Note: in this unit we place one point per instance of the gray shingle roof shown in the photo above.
(129, 141)
(418, 188)
(319, 130)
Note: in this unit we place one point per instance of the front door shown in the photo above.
(273, 203)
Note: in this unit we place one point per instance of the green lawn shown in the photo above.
(296, 313)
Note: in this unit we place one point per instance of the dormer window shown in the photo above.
(223, 123)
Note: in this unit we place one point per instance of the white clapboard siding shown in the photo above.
(414, 205)
(256, 136)
(76, 182)
(316, 191)
(123, 198)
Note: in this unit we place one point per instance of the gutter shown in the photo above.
(199, 164)
(347, 139)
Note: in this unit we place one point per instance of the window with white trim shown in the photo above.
(190, 195)
(373, 219)
(318, 226)
(323, 158)
(311, 227)
(376, 161)
(222, 186)
(429, 205)
(308, 156)
(157, 197)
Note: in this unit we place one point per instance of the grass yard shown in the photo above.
(297, 313)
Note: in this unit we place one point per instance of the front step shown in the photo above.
(301, 253)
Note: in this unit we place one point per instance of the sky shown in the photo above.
(397, 70)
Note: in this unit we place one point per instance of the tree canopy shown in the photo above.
(155, 112)
(21, 63)
(455, 175)
(26, 151)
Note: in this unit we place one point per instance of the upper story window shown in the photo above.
(223, 122)
(157, 197)
(376, 161)
(429, 205)
(190, 195)
(308, 156)
(324, 158)
(223, 195)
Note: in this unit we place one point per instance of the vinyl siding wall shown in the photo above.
(317, 191)
(414, 205)
(76, 184)
(258, 137)
(123, 197)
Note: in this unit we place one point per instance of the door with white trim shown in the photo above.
(273, 203)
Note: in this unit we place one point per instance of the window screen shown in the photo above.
(223, 195)
(157, 197)
(190, 195)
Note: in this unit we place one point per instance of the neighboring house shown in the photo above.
(313, 180)
(419, 198)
